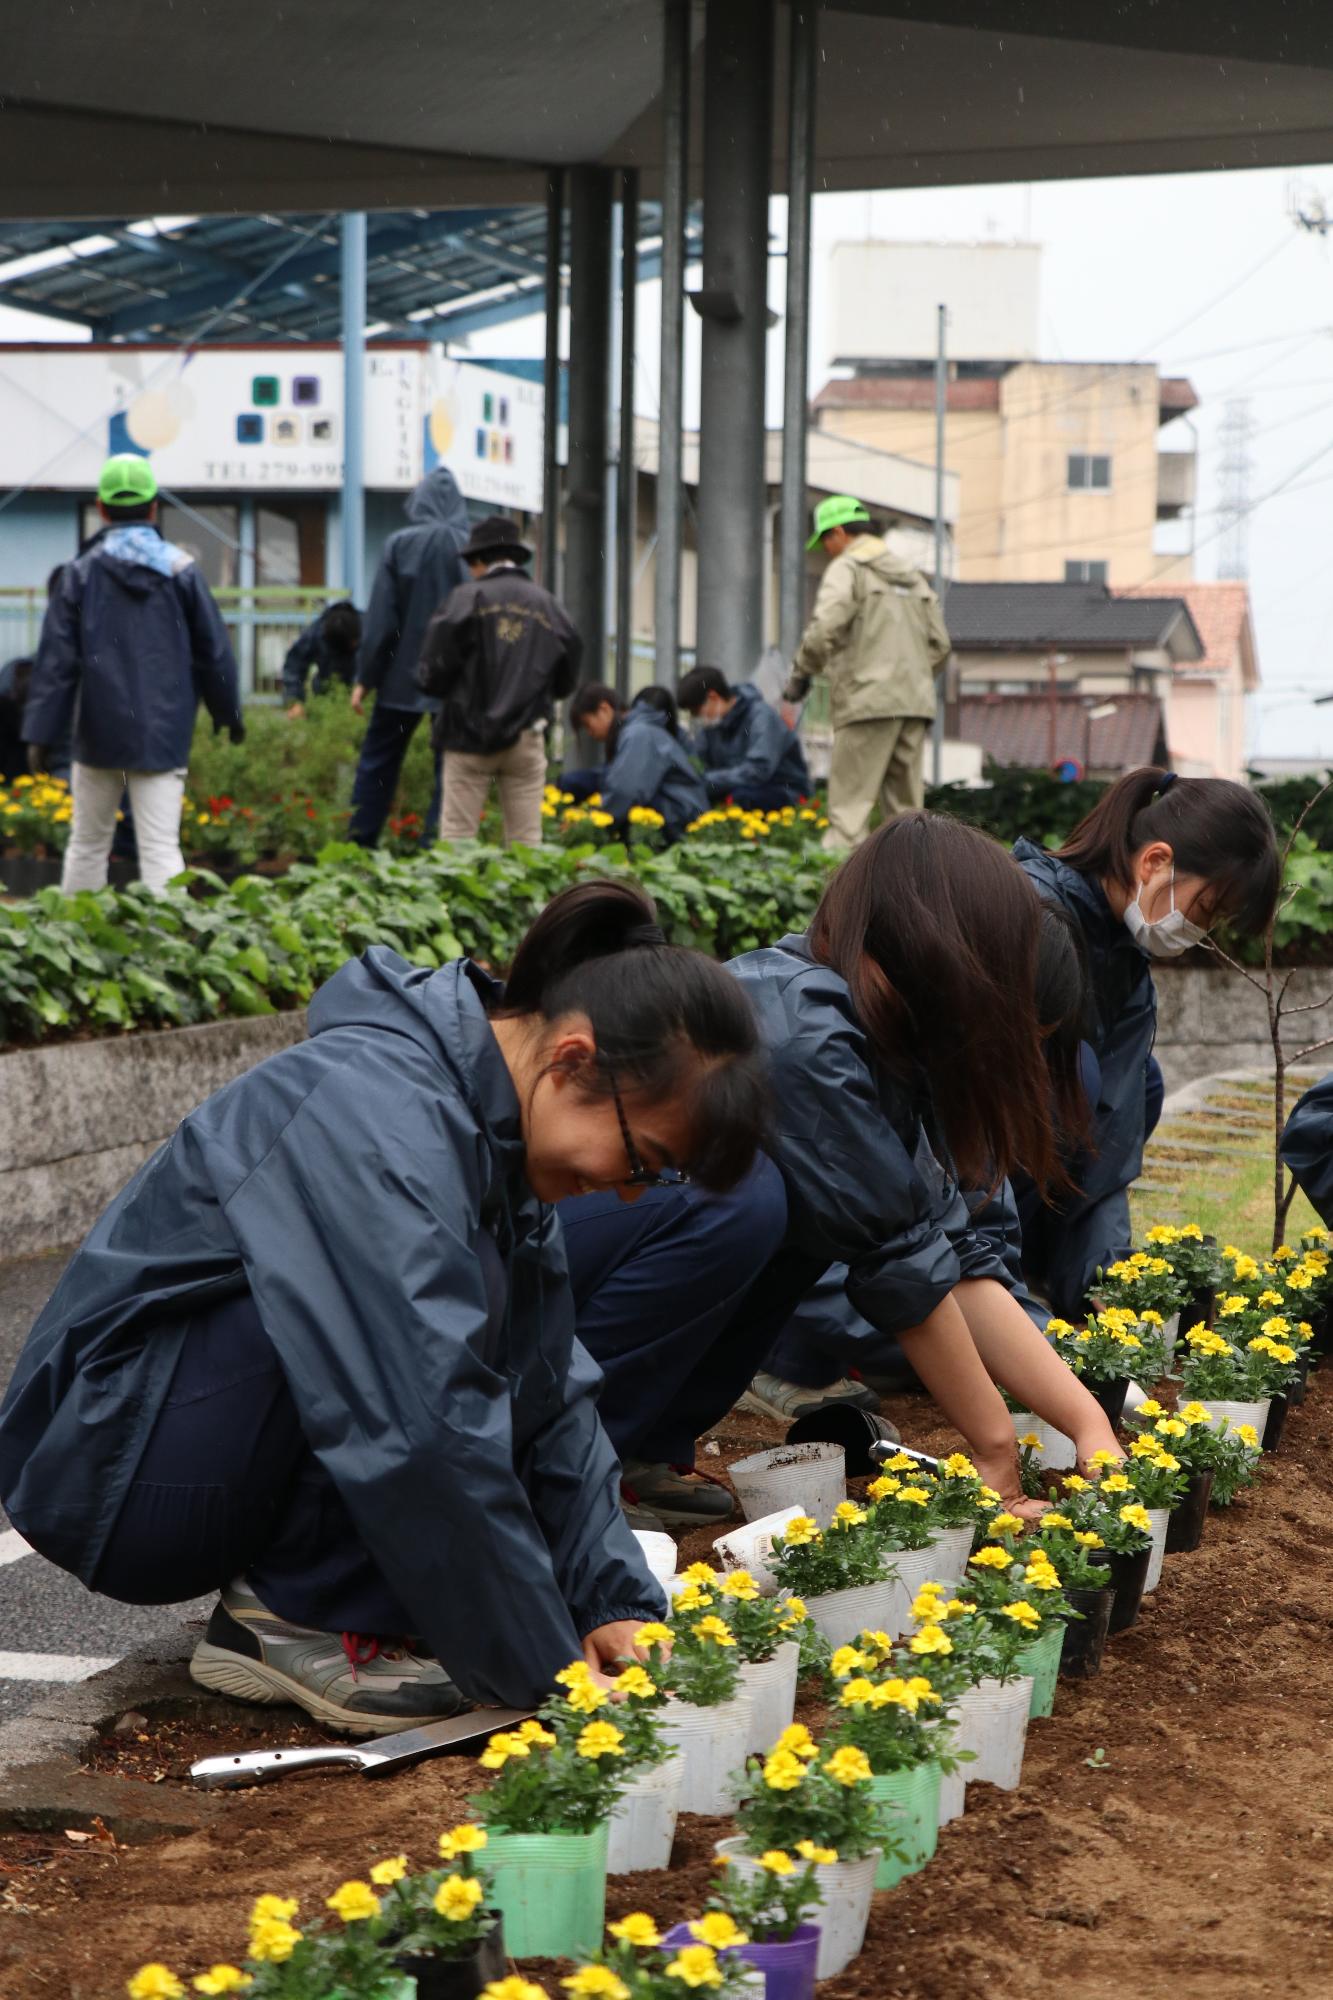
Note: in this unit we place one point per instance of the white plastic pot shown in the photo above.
(712, 1744)
(661, 1555)
(953, 1793)
(993, 1722)
(950, 1548)
(1170, 1335)
(847, 1888)
(771, 1686)
(751, 1547)
(643, 1824)
(842, 1615)
(809, 1477)
(914, 1567)
(1160, 1518)
(1236, 1414)
(1057, 1451)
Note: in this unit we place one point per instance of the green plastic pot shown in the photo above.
(914, 1824)
(550, 1889)
(1042, 1661)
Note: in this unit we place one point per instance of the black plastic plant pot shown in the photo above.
(1200, 1308)
(1322, 1322)
(1277, 1422)
(1128, 1575)
(1184, 1530)
(1085, 1637)
(1296, 1390)
(462, 1978)
(1111, 1396)
(855, 1430)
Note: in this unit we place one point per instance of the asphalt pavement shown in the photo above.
(51, 1628)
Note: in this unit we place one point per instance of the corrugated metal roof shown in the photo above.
(1086, 617)
(1109, 736)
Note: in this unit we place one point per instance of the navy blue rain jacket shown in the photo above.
(1065, 1246)
(861, 1188)
(421, 564)
(345, 1183)
(651, 767)
(752, 746)
(311, 648)
(131, 644)
(1307, 1145)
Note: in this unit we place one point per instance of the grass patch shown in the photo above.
(1229, 1194)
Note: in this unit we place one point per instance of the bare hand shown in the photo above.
(1098, 1437)
(612, 1646)
(999, 1470)
(296, 711)
(358, 698)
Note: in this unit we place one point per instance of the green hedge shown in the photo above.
(121, 959)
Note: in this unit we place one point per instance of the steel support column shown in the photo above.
(738, 136)
(627, 490)
(671, 414)
(354, 406)
(587, 536)
(795, 399)
(555, 195)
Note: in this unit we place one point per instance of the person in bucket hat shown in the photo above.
(877, 634)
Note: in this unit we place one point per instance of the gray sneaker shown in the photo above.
(770, 1396)
(348, 1681)
(676, 1496)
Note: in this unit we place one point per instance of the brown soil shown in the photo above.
(1194, 1860)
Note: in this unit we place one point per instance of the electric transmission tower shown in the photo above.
(1236, 436)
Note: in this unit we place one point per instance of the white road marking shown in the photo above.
(50, 1666)
(12, 1546)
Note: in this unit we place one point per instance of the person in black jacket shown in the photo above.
(420, 565)
(320, 1353)
(131, 643)
(329, 645)
(748, 753)
(499, 654)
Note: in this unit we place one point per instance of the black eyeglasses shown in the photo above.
(639, 1175)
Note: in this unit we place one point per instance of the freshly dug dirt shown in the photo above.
(1193, 1859)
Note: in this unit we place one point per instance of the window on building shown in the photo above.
(1089, 472)
(1086, 572)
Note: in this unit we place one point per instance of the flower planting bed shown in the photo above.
(1172, 1828)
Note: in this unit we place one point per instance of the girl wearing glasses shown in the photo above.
(320, 1354)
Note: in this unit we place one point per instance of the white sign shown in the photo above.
(246, 419)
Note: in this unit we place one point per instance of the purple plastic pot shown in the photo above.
(788, 1968)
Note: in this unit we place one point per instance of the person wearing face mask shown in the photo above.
(320, 1353)
(748, 753)
(1155, 865)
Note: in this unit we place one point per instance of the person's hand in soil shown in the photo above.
(608, 1648)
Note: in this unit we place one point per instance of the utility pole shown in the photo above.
(941, 583)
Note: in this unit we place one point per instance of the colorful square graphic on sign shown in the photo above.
(305, 390)
(323, 430)
(249, 428)
(264, 391)
(286, 430)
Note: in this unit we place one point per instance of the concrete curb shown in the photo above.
(45, 1785)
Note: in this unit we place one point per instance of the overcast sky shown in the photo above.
(1206, 274)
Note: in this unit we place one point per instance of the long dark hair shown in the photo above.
(1215, 828)
(667, 1022)
(663, 701)
(935, 928)
(1064, 1013)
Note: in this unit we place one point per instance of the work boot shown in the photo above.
(675, 1495)
(770, 1396)
(347, 1681)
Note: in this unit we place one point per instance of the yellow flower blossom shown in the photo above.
(823, 1857)
(354, 1902)
(1248, 1435)
(1170, 1427)
(699, 1572)
(533, 1732)
(848, 1765)
(637, 1929)
(856, 1693)
(386, 1872)
(457, 1897)
(600, 1739)
(1136, 1516)
(847, 1660)
(848, 1515)
(515, 1987)
(958, 1466)
(597, 1980)
(1004, 1524)
(796, 1739)
(465, 1839)
(742, 1586)
(506, 1743)
(794, 1613)
(715, 1927)
(1031, 1442)
(1087, 1540)
(696, 1965)
(1022, 1613)
(274, 1909)
(272, 1942)
(930, 1639)
(634, 1681)
(1115, 1482)
(777, 1863)
(653, 1635)
(221, 1979)
(800, 1531)
(783, 1771)
(991, 1559)
(154, 1982)
(714, 1630)
(1074, 1482)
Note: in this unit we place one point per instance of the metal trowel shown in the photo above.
(375, 1759)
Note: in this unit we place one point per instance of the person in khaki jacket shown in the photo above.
(877, 633)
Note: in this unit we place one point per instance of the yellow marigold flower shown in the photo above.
(957, 1608)
(1022, 1613)
(794, 1614)
(274, 1909)
(1248, 1435)
(1193, 1413)
(1087, 1540)
(847, 1660)
(1143, 1447)
(823, 1857)
(921, 1688)
(692, 1598)
(273, 1942)
(991, 1559)
(1104, 1458)
(221, 1979)
(1284, 1250)
(506, 1743)
(777, 1863)
(783, 1771)
(1004, 1524)
(989, 1493)
(465, 1839)
(800, 1531)
(848, 1515)
(653, 1635)
(1161, 1232)
(154, 1982)
(740, 1585)
(1229, 1305)
(926, 1603)
(574, 1675)
(532, 1732)
(1165, 1463)
(586, 1700)
(1073, 1482)
(386, 1872)
(849, 1765)
(700, 1572)
(457, 1897)
(515, 1987)
(1031, 1442)
(1170, 1427)
(881, 1489)
(637, 1929)
(915, 1496)
(1041, 1576)
(1136, 1516)
(634, 1681)
(714, 1630)
(1269, 1298)
(1115, 1482)
(856, 1692)
(1151, 1408)
(895, 1693)
(1151, 1318)
(958, 1466)
(796, 1739)
(930, 1639)
(354, 1902)
(600, 1739)
(718, 1929)
(696, 1965)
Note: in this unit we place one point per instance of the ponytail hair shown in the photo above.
(936, 930)
(1215, 828)
(667, 1022)
(663, 701)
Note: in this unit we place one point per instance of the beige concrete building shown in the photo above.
(1061, 470)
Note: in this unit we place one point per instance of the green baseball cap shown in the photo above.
(127, 481)
(839, 512)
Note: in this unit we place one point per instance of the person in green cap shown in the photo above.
(877, 634)
(131, 644)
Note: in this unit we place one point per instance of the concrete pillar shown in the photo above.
(587, 527)
(671, 394)
(354, 406)
(550, 551)
(795, 402)
(627, 490)
(738, 139)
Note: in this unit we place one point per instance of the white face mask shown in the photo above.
(1165, 937)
